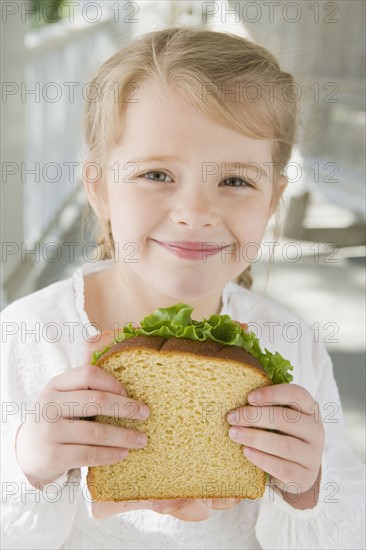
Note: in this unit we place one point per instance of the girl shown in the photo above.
(187, 134)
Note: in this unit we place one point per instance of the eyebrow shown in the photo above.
(244, 165)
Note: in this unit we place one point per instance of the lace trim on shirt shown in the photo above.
(78, 281)
(79, 295)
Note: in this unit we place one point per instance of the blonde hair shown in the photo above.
(194, 61)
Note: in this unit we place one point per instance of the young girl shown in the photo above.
(188, 133)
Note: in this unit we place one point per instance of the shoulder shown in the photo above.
(46, 303)
(281, 330)
(34, 344)
(41, 336)
(258, 307)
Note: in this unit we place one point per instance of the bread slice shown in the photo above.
(189, 386)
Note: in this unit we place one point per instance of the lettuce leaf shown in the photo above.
(176, 321)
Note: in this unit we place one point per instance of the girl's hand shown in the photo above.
(292, 455)
(186, 509)
(58, 439)
(101, 510)
(198, 510)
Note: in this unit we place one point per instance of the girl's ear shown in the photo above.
(96, 191)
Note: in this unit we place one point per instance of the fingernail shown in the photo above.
(142, 439)
(248, 451)
(234, 434)
(144, 411)
(169, 509)
(253, 397)
(193, 510)
(231, 417)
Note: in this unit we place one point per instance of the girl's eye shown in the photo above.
(236, 182)
(156, 173)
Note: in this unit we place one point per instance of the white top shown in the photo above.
(43, 337)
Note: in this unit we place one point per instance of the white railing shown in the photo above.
(56, 71)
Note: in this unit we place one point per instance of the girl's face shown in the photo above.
(192, 192)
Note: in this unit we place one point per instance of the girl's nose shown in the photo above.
(195, 208)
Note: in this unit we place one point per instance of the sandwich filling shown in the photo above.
(176, 323)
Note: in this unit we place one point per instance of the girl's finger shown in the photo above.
(67, 457)
(224, 504)
(196, 510)
(292, 395)
(290, 422)
(168, 506)
(280, 445)
(87, 403)
(283, 470)
(88, 377)
(84, 432)
(101, 510)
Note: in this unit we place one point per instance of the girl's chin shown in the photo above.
(189, 289)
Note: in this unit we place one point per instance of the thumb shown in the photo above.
(195, 510)
(97, 343)
(102, 510)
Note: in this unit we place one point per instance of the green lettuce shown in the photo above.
(176, 322)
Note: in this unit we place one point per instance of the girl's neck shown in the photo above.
(110, 302)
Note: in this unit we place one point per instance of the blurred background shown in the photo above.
(50, 49)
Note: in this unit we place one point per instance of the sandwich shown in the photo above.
(191, 374)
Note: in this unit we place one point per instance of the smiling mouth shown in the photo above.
(200, 252)
(207, 247)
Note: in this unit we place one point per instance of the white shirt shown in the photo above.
(60, 515)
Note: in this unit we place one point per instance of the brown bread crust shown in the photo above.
(208, 348)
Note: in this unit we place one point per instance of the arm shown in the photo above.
(31, 518)
(337, 518)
